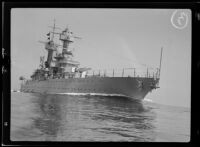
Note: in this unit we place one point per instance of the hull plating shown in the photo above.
(136, 88)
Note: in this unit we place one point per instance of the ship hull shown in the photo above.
(132, 87)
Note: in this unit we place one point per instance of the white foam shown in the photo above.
(15, 90)
(148, 100)
(97, 94)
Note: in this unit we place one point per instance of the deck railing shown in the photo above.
(124, 72)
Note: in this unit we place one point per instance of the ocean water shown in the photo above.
(36, 117)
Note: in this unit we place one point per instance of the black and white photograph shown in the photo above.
(100, 75)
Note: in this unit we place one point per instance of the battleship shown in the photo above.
(61, 74)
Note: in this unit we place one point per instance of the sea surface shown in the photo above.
(36, 117)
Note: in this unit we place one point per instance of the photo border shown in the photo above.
(6, 74)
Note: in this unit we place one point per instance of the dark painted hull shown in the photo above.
(134, 87)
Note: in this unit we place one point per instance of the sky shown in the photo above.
(110, 38)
